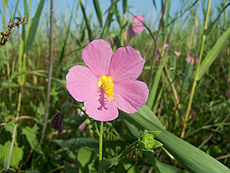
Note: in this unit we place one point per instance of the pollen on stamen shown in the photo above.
(106, 83)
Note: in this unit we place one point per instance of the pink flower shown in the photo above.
(111, 39)
(157, 55)
(166, 47)
(136, 25)
(192, 114)
(192, 59)
(176, 53)
(47, 60)
(109, 82)
(82, 126)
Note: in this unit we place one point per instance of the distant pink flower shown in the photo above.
(47, 60)
(166, 47)
(157, 55)
(136, 25)
(111, 39)
(192, 59)
(192, 114)
(82, 126)
(176, 53)
(109, 82)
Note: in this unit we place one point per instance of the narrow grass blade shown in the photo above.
(98, 12)
(66, 37)
(212, 54)
(15, 9)
(154, 88)
(217, 18)
(124, 6)
(34, 26)
(86, 21)
(117, 14)
(154, 4)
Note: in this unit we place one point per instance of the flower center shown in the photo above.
(106, 83)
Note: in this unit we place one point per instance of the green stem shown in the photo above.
(100, 141)
(15, 128)
(50, 73)
(200, 58)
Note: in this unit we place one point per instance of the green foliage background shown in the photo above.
(24, 67)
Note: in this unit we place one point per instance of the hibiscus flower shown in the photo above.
(136, 25)
(109, 81)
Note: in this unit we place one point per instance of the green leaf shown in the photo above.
(69, 169)
(9, 84)
(77, 143)
(157, 144)
(9, 127)
(130, 168)
(153, 91)
(16, 155)
(98, 12)
(212, 54)
(60, 82)
(160, 167)
(165, 168)
(146, 113)
(132, 129)
(84, 155)
(34, 26)
(190, 157)
(31, 136)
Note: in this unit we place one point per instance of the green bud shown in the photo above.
(147, 141)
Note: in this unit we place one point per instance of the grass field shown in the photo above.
(186, 69)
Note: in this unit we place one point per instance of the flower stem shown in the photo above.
(198, 65)
(100, 141)
(15, 128)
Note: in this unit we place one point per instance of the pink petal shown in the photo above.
(130, 96)
(138, 27)
(156, 58)
(126, 64)
(176, 53)
(131, 32)
(99, 109)
(196, 58)
(157, 55)
(188, 59)
(81, 83)
(97, 56)
(137, 19)
(82, 126)
(166, 47)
